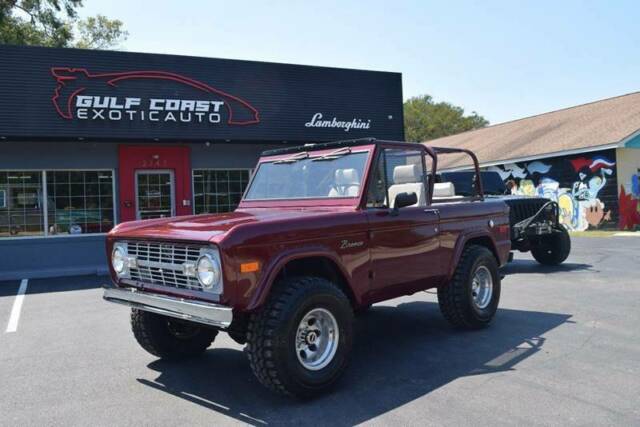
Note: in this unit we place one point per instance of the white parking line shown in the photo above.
(12, 326)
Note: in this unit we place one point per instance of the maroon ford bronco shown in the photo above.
(322, 231)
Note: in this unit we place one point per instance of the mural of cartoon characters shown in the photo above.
(635, 186)
(630, 205)
(577, 197)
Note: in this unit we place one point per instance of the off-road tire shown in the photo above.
(154, 333)
(272, 332)
(554, 248)
(456, 299)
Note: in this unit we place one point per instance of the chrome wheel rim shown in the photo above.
(317, 339)
(482, 287)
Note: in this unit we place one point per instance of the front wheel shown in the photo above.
(554, 248)
(170, 338)
(470, 299)
(299, 343)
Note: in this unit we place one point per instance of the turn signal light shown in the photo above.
(249, 267)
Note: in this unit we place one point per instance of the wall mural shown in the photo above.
(583, 186)
(630, 205)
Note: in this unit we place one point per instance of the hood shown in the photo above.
(209, 226)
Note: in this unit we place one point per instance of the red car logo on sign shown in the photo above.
(73, 84)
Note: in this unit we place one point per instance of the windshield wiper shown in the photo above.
(293, 159)
(333, 155)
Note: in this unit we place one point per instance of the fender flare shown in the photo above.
(263, 289)
(462, 240)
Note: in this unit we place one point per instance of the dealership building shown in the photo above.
(89, 139)
(586, 158)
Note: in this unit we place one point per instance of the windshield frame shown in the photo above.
(311, 201)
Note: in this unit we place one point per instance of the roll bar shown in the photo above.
(478, 180)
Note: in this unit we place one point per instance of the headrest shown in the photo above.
(444, 189)
(406, 174)
(347, 177)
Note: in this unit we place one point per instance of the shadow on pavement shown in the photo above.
(520, 266)
(56, 284)
(400, 354)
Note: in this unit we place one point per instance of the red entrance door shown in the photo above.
(154, 182)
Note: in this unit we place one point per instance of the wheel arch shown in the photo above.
(313, 263)
(479, 238)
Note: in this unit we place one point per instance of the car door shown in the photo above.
(404, 243)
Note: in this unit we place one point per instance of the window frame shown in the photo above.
(382, 156)
(319, 153)
(45, 202)
(193, 184)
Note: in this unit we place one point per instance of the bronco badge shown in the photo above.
(345, 244)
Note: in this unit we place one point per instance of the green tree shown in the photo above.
(99, 32)
(55, 23)
(425, 119)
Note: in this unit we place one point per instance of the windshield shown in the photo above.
(309, 176)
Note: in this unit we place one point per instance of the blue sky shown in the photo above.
(503, 59)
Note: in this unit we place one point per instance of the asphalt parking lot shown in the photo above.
(563, 350)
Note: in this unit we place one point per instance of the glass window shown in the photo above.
(80, 202)
(21, 208)
(216, 191)
(304, 176)
(397, 171)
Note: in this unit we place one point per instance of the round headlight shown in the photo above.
(208, 271)
(118, 261)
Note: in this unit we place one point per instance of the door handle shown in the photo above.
(432, 211)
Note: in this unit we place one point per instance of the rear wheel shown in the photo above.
(554, 248)
(470, 299)
(170, 338)
(299, 343)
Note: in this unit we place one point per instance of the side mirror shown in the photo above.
(405, 199)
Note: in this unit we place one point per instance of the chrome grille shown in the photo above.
(163, 264)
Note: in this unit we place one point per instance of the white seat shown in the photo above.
(407, 179)
(346, 183)
(443, 190)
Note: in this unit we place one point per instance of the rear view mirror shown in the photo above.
(405, 199)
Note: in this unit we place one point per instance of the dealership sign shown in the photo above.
(318, 121)
(111, 96)
(81, 95)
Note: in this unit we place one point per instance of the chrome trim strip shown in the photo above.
(155, 264)
(194, 311)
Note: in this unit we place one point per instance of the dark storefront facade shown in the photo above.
(89, 139)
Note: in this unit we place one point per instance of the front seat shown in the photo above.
(346, 183)
(407, 179)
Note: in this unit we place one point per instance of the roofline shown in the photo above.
(623, 142)
(535, 115)
(546, 155)
(553, 154)
(179, 55)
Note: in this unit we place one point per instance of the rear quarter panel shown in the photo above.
(466, 220)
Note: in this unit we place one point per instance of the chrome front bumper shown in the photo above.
(193, 311)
